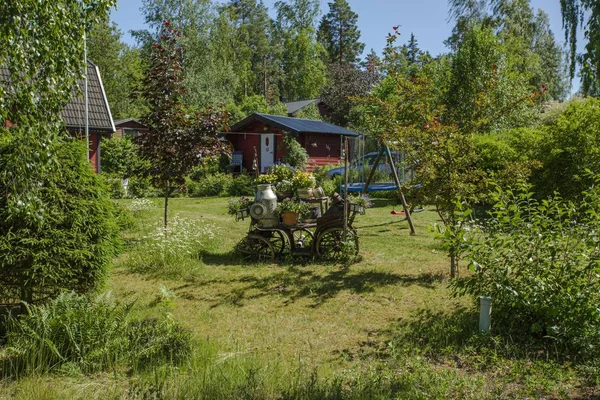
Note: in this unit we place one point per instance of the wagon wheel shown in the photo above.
(303, 238)
(331, 246)
(256, 248)
(277, 240)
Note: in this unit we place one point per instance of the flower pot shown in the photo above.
(289, 217)
(305, 193)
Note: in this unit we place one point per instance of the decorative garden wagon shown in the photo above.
(268, 238)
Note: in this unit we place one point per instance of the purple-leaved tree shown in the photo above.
(179, 137)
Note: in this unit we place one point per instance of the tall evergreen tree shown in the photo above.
(339, 34)
(413, 50)
(575, 14)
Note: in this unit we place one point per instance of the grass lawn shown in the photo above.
(387, 321)
(319, 315)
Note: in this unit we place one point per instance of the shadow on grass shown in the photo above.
(296, 283)
(229, 258)
(399, 221)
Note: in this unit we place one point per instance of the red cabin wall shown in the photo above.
(315, 145)
(93, 152)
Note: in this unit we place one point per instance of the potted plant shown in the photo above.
(360, 203)
(304, 183)
(265, 178)
(284, 189)
(239, 208)
(290, 210)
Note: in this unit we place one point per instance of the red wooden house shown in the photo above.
(259, 136)
(130, 127)
(100, 122)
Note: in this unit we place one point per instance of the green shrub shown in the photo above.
(320, 173)
(329, 187)
(210, 167)
(210, 185)
(242, 185)
(90, 336)
(572, 147)
(510, 157)
(494, 153)
(538, 260)
(115, 186)
(124, 216)
(140, 187)
(295, 155)
(120, 157)
(61, 238)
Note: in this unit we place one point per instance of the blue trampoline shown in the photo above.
(373, 187)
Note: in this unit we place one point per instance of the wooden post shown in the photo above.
(166, 216)
(345, 188)
(400, 194)
(371, 173)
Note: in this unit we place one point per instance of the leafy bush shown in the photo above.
(64, 238)
(139, 187)
(124, 216)
(75, 331)
(120, 157)
(572, 147)
(115, 186)
(538, 260)
(295, 154)
(510, 157)
(320, 173)
(210, 167)
(282, 172)
(242, 185)
(210, 185)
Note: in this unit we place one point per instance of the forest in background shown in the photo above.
(237, 56)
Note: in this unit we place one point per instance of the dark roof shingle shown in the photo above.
(99, 115)
(100, 118)
(293, 125)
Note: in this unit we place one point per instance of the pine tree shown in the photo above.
(413, 50)
(339, 34)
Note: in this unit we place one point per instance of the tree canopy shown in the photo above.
(339, 34)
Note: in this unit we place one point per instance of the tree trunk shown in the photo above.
(167, 190)
(452, 266)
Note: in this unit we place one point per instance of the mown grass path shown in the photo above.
(323, 315)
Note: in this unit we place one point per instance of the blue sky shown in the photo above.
(427, 19)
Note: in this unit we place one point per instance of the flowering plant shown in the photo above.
(290, 205)
(265, 178)
(303, 180)
(363, 200)
(285, 186)
(235, 205)
(282, 172)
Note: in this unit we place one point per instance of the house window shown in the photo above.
(130, 133)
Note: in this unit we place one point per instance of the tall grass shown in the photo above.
(76, 334)
(171, 252)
